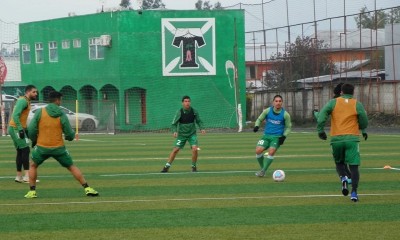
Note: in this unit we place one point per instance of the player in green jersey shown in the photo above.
(46, 131)
(277, 126)
(184, 130)
(17, 131)
(336, 93)
(348, 117)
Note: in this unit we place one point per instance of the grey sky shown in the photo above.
(275, 12)
(19, 11)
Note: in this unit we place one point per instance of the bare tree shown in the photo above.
(304, 58)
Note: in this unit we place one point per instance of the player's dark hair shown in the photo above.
(29, 87)
(277, 96)
(185, 97)
(337, 90)
(348, 89)
(54, 96)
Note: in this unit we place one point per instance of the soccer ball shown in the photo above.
(278, 176)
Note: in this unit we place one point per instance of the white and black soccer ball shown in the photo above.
(278, 176)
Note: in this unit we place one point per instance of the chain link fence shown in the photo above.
(303, 49)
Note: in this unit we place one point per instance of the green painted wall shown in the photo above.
(133, 65)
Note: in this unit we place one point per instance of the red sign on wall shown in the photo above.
(3, 70)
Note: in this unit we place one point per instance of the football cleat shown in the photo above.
(354, 197)
(165, 169)
(194, 169)
(91, 192)
(31, 194)
(260, 173)
(19, 179)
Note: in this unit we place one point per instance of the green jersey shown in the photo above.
(328, 109)
(47, 127)
(184, 122)
(20, 113)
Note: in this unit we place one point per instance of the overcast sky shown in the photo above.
(13, 12)
(19, 11)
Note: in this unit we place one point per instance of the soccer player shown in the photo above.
(337, 91)
(17, 131)
(348, 117)
(184, 130)
(45, 130)
(277, 126)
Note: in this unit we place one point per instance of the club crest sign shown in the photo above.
(188, 46)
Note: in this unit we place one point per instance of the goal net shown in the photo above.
(86, 115)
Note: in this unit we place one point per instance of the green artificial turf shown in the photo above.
(224, 200)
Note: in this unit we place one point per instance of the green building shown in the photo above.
(131, 69)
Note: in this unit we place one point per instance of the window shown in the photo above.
(76, 43)
(96, 51)
(26, 54)
(39, 52)
(65, 44)
(53, 53)
(251, 72)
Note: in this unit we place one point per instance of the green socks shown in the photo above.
(260, 159)
(267, 161)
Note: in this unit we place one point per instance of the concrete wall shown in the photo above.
(382, 97)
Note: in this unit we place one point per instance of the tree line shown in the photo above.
(154, 4)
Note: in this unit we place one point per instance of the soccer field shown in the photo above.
(224, 200)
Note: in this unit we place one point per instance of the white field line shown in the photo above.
(372, 134)
(95, 140)
(217, 173)
(88, 140)
(222, 157)
(392, 168)
(186, 173)
(232, 172)
(191, 199)
(171, 173)
(212, 157)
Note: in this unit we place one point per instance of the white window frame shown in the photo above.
(76, 43)
(96, 51)
(53, 50)
(26, 53)
(39, 52)
(65, 44)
